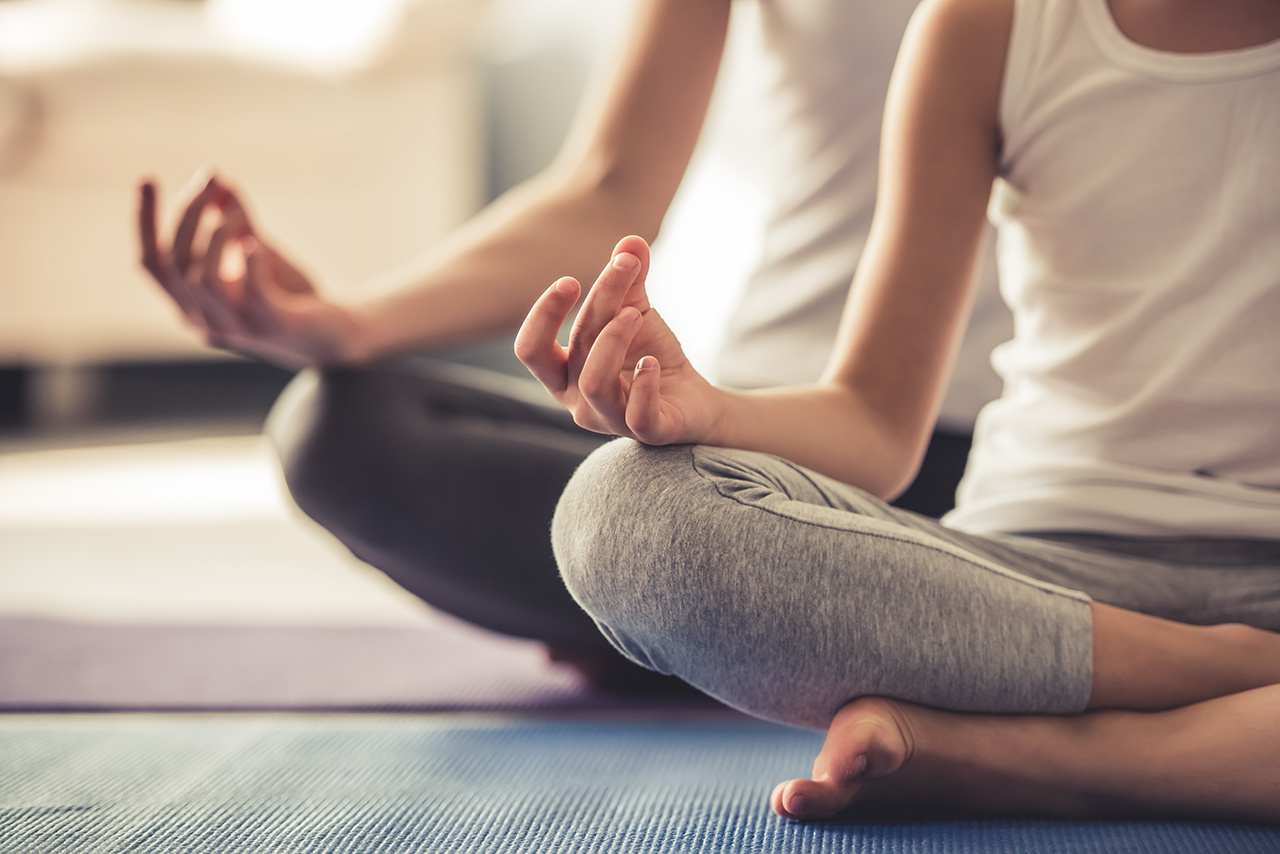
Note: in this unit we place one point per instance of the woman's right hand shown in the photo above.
(237, 290)
(623, 372)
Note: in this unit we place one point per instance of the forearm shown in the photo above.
(827, 428)
(482, 279)
(615, 176)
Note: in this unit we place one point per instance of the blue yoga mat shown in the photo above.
(290, 783)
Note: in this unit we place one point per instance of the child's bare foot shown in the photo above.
(869, 740)
(887, 751)
(1213, 759)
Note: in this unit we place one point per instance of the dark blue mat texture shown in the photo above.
(420, 784)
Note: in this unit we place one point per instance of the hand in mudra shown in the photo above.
(623, 372)
(236, 289)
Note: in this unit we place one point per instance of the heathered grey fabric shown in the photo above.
(786, 594)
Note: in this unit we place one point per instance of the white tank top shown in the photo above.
(828, 64)
(1139, 220)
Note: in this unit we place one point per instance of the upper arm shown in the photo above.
(939, 151)
(636, 132)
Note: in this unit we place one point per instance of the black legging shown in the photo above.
(445, 477)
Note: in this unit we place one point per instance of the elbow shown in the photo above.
(898, 477)
(892, 448)
(931, 468)
(893, 468)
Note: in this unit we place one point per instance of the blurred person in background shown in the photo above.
(444, 476)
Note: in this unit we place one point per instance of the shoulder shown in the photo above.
(958, 49)
(959, 21)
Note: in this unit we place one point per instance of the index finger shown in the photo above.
(536, 343)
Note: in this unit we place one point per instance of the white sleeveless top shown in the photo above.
(1139, 220)
(828, 66)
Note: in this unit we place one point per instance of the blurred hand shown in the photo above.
(623, 372)
(237, 290)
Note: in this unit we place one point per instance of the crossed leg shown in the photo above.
(1217, 758)
(1196, 734)
(788, 595)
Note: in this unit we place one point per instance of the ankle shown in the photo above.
(1000, 764)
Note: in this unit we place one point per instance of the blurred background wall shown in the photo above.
(362, 130)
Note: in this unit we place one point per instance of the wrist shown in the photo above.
(722, 418)
(356, 342)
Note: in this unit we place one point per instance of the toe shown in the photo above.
(811, 799)
(864, 744)
(775, 799)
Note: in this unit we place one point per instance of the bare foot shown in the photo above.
(869, 740)
(887, 751)
(1213, 759)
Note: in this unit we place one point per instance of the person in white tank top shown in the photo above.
(1143, 266)
(1135, 144)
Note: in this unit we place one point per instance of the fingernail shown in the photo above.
(625, 261)
(630, 314)
(796, 804)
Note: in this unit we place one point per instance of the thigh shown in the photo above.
(787, 594)
(1199, 580)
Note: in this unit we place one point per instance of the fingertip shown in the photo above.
(566, 286)
(205, 175)
(788, 801)
(625, 261)
(224, 198)
(633, 244)
(646, 363)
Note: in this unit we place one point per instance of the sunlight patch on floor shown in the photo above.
(196, 531)
(199, 480)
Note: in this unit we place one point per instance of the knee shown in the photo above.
(602, 532)
(595, 532)
(315, 428)
(674, 568)
(634, 541)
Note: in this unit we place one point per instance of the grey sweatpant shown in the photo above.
(786, 594)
